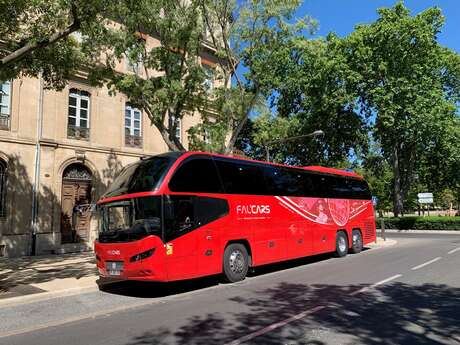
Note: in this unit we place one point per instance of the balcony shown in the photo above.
(80, 133)
(4, 122)
(133, 140)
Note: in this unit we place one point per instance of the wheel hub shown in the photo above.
(236, 261)
(342, 244)
(356, 240)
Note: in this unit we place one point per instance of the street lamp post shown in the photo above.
(316, 133)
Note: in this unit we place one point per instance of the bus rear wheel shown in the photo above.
(341, 244)
(236, 262)
(357, 241)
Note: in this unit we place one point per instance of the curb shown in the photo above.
(447, 232)
(381, 243)
(43, 296)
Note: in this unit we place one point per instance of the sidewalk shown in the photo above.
(46, 274)
(412, 231)
(380, 243)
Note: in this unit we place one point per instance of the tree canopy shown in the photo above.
(36, 37)
(386, 96)
(404, 77)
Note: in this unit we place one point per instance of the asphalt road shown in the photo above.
(408, 293)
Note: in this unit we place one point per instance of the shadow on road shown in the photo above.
(142, 289)
(397, 313)
(146, 289)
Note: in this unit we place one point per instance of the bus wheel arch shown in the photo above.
(356, 240)
(246, 244)
(341, 243)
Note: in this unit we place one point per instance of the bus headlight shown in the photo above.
(142, 256)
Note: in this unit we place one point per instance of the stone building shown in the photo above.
(61, 149)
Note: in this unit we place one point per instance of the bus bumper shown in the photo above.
(138, 260)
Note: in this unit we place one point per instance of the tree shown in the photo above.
(35, 37)
(246, 34)
(306, 88)
(409, 82)
(167, 79)
(378, 174)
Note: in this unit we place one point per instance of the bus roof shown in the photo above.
(332, 171)
(316, 168)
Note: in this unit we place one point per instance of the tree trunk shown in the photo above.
(173, 145)
(234, 137)
(236, 131)
(398, 195)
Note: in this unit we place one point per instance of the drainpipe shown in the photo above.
(36, 183)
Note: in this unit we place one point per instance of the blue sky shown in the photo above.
(340, 16)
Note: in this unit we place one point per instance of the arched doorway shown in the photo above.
(76, 190)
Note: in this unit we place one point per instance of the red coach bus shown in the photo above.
(185, 215)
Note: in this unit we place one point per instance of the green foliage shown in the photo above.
(379, 176)
(35, 37)
(167, 79)
(247, 35)
(389, 83)
(445, 198)
(403, 75)
(305, 85)
(423, 223)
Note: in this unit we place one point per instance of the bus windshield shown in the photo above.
(142, 176)
(130, 219)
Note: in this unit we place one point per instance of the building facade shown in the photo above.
(60, 149)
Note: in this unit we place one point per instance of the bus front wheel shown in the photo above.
(341, 244)
(236, 262)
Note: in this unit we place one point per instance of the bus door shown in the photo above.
(180, 237)
(209, 215)
(299, 239)
(269, 231)
(209, 258)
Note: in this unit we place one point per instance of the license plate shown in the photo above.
(114, 268)
(114, 273)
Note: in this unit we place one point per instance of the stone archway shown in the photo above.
(76, 190)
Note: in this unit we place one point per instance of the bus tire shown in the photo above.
(356, 241)
(341, 244)
(236, 262)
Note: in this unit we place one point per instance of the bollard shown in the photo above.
(382, 227)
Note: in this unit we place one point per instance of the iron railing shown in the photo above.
(133, 140)
(4, 122)
(75, 132)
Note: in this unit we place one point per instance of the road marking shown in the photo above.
(453, 250)
(275, 325)
(301, 315)
(367, 288)
(426, 263)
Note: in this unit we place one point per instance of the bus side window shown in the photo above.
(181, 216)
(241, 178)
(197, 175)
(360, 189)
(185, 214)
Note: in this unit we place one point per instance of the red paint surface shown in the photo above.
(294, 227)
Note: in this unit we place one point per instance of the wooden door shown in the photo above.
(75, 225)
